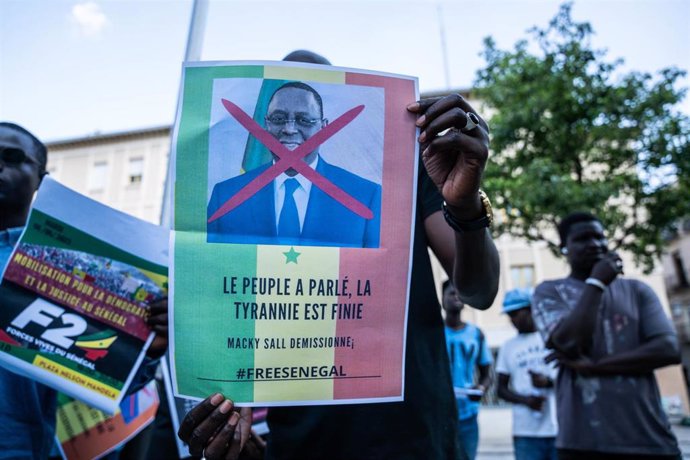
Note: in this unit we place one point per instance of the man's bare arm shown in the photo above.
(573, 336)
(504, 392)
(471, 257)
(454, 141)
(657, 352)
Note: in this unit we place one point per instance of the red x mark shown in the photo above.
(291, 159)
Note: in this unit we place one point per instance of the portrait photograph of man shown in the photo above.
(343, 209)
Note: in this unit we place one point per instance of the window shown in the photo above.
(522, 276)
(98, 176)
(136, 170)
(680, 270)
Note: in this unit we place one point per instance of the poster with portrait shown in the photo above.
(294, 191)
(75, 293)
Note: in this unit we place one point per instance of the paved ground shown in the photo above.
(495, 441)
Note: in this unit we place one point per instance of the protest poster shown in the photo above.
(85, 433)
(75, 296)
(289, 293)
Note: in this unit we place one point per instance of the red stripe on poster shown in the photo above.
(374, 364)
(399, 156)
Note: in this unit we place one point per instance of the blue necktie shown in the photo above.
(288, 224)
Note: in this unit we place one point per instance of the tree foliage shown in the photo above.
(572, 132)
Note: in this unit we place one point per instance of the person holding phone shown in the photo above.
(467, 351)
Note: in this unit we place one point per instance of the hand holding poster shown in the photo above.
(178, 408)
(75, 294)
(294, 202)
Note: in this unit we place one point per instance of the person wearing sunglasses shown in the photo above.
(27, 408)
(293, 210)
(22, 166)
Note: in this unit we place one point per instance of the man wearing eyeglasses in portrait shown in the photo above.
(292, 210)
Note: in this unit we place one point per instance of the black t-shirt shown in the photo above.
(421, 427)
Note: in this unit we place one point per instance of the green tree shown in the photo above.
(571, 132)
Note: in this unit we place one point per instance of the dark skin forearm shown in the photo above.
(476, 268)
(471, 257)
(455, 159)
(484, 376)
(659, 352)
(573, 336)
(483, 381)
(504, 392)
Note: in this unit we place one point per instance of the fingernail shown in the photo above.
(425, 152)
(234, 418)
(412, 107)
(226, 406)
(216, 399)
(422, 137)
(421, 120)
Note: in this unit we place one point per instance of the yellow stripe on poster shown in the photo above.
(288, 372)
(80, 379)
(301, 74)
(74, 418)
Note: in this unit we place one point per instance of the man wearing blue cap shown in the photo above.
(527, 382)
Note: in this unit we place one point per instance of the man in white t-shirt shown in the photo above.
(527, 382)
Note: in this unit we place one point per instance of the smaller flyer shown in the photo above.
(75, 295)
(85, 433)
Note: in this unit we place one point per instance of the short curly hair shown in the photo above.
(572, 219)
(40, 151)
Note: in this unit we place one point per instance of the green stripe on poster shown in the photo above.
(206, 315)
(192, 169)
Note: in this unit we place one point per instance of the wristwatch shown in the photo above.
(462, 226)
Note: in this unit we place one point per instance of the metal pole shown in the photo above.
(195, 41)
(197, 28)
(444, 47)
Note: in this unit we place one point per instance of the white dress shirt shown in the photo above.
(301, 193)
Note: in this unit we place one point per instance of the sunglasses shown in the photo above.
(14, 156)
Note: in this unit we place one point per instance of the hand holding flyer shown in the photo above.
(75, 295)
(291, 250)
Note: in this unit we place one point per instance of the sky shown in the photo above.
(73, 68)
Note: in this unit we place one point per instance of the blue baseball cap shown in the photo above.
(517, 299)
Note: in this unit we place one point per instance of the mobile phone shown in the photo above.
(467, 391)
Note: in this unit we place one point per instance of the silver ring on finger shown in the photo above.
(472, 121)
(450, 130)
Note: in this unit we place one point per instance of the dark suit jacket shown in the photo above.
(326, 223)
